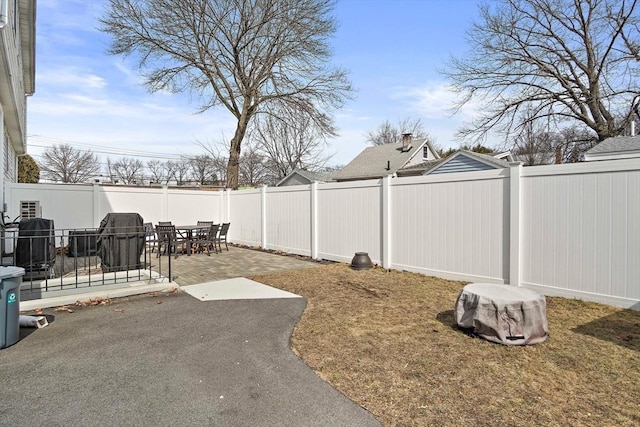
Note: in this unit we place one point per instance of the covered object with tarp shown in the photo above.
(503, 314)
(35, 250)
(120, 242)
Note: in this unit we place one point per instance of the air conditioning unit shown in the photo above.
(30, 209)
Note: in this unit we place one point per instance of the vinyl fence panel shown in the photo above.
(453, 225)
(245, 211)
(288, 219)
(581, 233)
(349, 220)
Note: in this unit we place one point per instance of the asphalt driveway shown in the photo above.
(169, 360)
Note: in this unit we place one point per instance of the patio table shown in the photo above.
(186, 231)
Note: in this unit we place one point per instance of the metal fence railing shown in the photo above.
(70, 259)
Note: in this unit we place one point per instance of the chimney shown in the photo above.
(558, 155)
(406, 142)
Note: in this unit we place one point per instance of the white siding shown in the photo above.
(461, 164)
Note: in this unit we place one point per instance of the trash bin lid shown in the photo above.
(11, 271)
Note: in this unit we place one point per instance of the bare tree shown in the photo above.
(254, 167)
(572, 142)
(563, 60)
(201, 168)
(157, 171)
(534, 146)
(218, 159)
(388, 133)
(63, 163)
(245, 55)
(180, 170)
(291, 139)
(127, 170)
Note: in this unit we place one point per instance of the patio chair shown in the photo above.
(150, 236)
(169, 239)
(222, 236)
(164, 222)
(209, 239)
(202, 233)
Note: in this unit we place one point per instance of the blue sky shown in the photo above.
(393, 49)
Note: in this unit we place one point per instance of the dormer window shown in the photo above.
(425, 152)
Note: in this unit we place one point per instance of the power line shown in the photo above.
(112, 151)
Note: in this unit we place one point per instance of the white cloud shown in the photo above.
(70, 77)
(436, 100)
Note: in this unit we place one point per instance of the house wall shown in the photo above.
(12, 98)
(461, 164)
(569, 230)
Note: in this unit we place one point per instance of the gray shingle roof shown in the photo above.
(617, 144)
(317, 176)
(308, 175)
(373, 161)
(420, 168)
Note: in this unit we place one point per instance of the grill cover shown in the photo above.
(502, 313)
(121, 242)
(36, 244)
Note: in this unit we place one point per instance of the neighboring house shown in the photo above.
(303, 177)
(387, 159)
(17, 81)
(617, 147)
(461, 161)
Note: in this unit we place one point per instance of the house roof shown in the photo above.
(420, 168)
(27, 10)
(425, 168)
(309, 175)
(619, 145)
(487, 158)
(381, 160)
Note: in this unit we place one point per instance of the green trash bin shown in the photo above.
(10, 280)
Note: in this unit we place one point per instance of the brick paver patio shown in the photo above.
(237, 262)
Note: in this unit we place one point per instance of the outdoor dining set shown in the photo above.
(203, 237)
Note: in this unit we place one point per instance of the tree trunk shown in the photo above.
(233, 166)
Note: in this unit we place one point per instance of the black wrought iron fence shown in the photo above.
(69, 259)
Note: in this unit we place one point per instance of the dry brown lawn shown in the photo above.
(388, 341)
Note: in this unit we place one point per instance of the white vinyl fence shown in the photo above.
(569, 230)
(84, 206)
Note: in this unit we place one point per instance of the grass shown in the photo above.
(388, 341)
